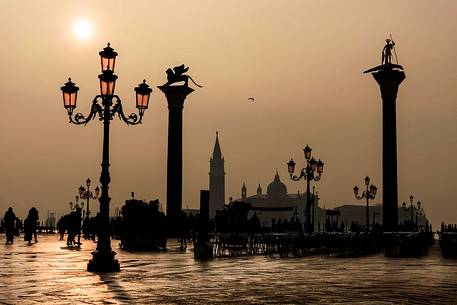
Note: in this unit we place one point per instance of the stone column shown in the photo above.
(389, 80)
(175, 97)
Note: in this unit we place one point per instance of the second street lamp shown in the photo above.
(312, 172)
(106, 105)
(87, 195)
(369, 193)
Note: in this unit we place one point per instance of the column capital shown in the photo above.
(176, 94)
(388, 81)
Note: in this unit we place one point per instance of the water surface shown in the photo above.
(50, 273)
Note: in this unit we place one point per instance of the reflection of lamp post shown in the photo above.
(106, 105)
(370, 193)
(308, 174)
(87, 194)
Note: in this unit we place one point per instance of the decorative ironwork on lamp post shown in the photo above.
(369, 193)
(307, 173)
(106, 106)
(87, 195)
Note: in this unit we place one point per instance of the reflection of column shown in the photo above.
(389, 80)
(175, 97)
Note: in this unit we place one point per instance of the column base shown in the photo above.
(103, 262)
(203, 251)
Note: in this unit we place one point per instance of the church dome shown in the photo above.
(277, 189)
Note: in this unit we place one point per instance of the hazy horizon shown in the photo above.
(302, 61)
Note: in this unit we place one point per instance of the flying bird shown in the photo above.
(251, 99)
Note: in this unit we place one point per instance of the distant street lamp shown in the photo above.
(87, 194)
(106, 105)
(369, 193)
(411, 209)
(309, 174)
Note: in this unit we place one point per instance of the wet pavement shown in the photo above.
(50, 273)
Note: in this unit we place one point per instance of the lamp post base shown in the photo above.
(103, 262)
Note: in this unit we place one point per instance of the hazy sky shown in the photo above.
(301, 60)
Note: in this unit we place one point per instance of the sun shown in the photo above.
(82, 29)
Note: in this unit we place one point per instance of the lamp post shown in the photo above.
(413, 208)
(87, 195)
(313, 202)
(418, 212)
(411, 198)
(106, 105)
(369, 193)
(307, 173)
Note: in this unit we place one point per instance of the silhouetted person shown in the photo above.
(182, 228)
(74, 228)
(9, 220)
(30, 225)
(77, 224)
(61, 226)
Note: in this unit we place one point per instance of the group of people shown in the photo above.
(13, 225)
(71, 223)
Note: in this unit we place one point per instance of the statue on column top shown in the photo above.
(386, 61)
(387, 52)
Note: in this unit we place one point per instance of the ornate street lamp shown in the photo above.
(106, 105)
(87, 195)
(312, 172)
(369, 193)
(107, 58)
(412, 208)
(70, 92)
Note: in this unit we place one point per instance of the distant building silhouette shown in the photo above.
(216, 180)
(357, 213)
(278, 204)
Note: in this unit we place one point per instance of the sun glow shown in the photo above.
(82, 29)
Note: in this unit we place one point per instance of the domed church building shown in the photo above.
(277, 203)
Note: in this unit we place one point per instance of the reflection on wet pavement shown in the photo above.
(50, 273)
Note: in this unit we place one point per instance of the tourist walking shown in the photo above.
(62, 226)
(74, 228)
(30, 225)
(9, 220)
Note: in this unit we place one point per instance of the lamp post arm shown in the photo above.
(80, 119)
(132, 119)
(364, 195)
(302, 175)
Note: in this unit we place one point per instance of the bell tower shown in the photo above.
(244, 192)
(216, 180)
